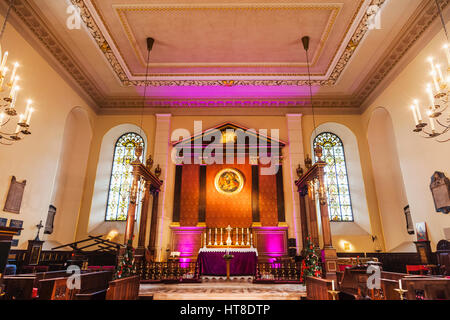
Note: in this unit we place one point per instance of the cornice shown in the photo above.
(416, 26)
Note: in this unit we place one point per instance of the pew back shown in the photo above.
(317, 289)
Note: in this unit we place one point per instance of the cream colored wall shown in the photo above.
(93, 204)
(36, 159)
(419, 158)
(359, 241)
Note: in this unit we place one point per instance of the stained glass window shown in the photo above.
(336, 178)
(121, 176)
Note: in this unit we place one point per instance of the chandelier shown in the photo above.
(438, 97)
(9, 90)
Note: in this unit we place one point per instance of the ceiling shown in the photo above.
(227, 53)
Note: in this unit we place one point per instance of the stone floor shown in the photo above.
(217, 288)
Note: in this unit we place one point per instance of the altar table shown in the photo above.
(211, 262)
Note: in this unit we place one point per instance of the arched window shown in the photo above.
(336, 178)
(121, 176)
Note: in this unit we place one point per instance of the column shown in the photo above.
(328, 252)
(161, 156)
(303, 214)
(314, 228)
(131, 214)
(154, 219)
(177, 196)
(255, 196)
(293, 156)
(280, 199)
(144, 215)
(202, 197)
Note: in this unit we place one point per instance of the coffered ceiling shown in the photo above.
(227, 53)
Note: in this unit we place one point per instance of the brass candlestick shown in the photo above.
(334, 293)
(401, 292)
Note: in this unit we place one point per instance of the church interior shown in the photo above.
(224, 150)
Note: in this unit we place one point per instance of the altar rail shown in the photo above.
(173, 271)
(278, 272)
(54, 259)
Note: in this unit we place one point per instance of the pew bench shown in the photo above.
(317, 289)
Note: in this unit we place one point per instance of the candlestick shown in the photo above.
(237, 236)
(416, 120)
(242, 242)
(435, 81)
(430, 94)
(400, 284)
(13, 74)
(221, 242)
(215, 236)
(248, 236)
(419, 115)
(209, 237)
(332, 285)
(433, 126)
(30, 112)
(439, 72)
(251, 240)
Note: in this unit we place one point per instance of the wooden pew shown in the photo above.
(93, 286)
(124, 289)
(20, 287)
(354, 284)
(317, 289)
(427, 288)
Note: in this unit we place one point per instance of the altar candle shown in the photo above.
(413, 108)
(400, 284)
(332, 285)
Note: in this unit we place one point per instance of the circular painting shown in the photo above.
(229, 181)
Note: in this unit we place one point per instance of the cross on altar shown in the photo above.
(39, 226)
(229, 229)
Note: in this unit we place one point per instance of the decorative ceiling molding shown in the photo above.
(417, 25)
(125, 80)
(421, 20)
(39, 28)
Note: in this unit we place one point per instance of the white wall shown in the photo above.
(36, 158)
(419, 158)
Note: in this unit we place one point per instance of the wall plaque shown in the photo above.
(15, 196)
(440, 188)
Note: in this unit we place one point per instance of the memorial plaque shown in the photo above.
(15, 196)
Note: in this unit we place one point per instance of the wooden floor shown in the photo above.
(218, 289)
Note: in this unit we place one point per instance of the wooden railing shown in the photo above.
(124, 289)
(169, 271)
(279, 272)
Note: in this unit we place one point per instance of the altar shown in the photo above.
(211, 261)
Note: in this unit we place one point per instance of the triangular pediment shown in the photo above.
(206, 137)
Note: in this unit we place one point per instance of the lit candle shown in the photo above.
(435, 81)
(430, 95)
(416, 120)
(5, 58)
(419, 114)
(30, 112)
(19, 128)
(13, 75)
(439, 72)
(433, 127)
(447, 52)
(400, 284)
(332, 285)
(14, 97)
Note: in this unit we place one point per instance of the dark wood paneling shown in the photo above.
(255, 194)
(280, 196)
(202, 198)
(177, 194)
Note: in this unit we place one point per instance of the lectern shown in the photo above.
(6, 235)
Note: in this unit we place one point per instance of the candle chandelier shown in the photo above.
(9, 90)
(438, 97)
